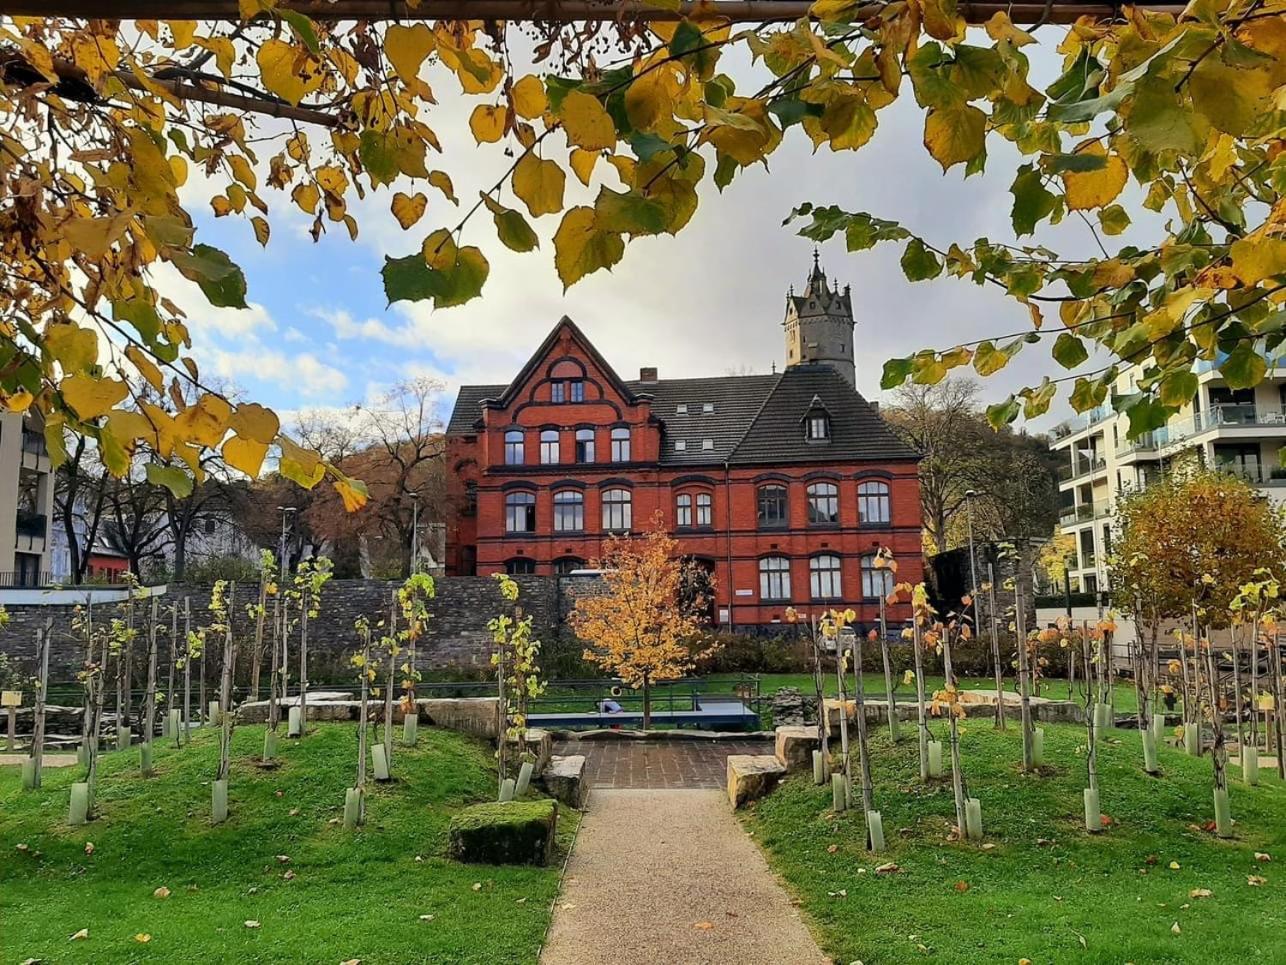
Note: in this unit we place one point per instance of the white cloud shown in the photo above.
(303, 373)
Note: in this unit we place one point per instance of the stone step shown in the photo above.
(564, 779)
(751, 776)
(795, 745)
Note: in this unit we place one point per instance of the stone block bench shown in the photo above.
(564, 780)
(795, 746)
(751, 776)
(511, 832)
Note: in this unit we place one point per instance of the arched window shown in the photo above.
(520, 512)
(569, 511)
(683, 510)
(772, 505)
(513, 448)
(873, 502)
(774, 578)
(549, 446)
(567, 564)
(824, 577)
(823, 503)
(620, 444)
(520, 566)
(618, 513)
(703, 509)
(875, 583)
(584, 445)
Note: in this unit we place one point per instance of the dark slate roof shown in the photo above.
(757, 419)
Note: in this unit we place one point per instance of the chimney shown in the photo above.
(647, 373)
(875, 406)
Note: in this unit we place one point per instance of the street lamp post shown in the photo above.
(415, 532)
(281, 560)
(973, 571)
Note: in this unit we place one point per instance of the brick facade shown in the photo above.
(568, 396)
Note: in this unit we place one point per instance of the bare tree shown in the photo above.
(80, 498)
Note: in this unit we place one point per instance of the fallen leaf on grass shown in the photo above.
(962, 886)
(293, 812)
(842, 893)
(989, 846)
(426, 918)
(1174, 866)
(1200, 893)
(1256, 880)
(832, 849)
(1261, 856)
(888, 868)
(1105, 820)
(80, 936)
(288, 875)
(284, 858)
(161, 892)
(142, 938)
(251, 923)
(520, 901)
(1176, 929)
(477, 886)
(352, 961)
(89, 847)
(24, 847)
(704, 925)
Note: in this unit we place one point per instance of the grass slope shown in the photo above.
(1047, 891)
(352, 895)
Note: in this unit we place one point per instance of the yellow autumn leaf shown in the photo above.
(955, 134)
(581, 248)
(1254, 259)
(245, 455)
(406, 48)
(408, 209)
(442, 181)
(146, 368)
(1086, 190)
(539, 184)
(352, 492)
(529, 99)
(254, 421)
(582, 163)
(92, 237)
(96, 54)
(72, 347)
(587, 124)
(90, 397)
(1000, 27)
(204, 423)
(289, 72)
(488, 123)
(306, 196)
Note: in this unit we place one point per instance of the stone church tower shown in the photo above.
(819, 326)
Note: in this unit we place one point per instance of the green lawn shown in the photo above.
(1046, 891)
(348, 895)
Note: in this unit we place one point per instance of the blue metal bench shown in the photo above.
(709, 713)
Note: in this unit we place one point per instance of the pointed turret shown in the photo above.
(819, 325)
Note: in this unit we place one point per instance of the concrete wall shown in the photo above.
(457, 637)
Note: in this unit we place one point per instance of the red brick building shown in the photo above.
(782, 485)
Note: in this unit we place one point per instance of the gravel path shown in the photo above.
(670, 876)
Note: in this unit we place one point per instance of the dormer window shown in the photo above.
(681, 408)
(819, 427)
(707, 406)
(680, 445)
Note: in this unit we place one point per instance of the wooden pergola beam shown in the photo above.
(736, 11)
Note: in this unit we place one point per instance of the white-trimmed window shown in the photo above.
(520, 512)
(704, 504)
(513, 448)
(772, 505)
(683, 510)
(569, 511)
(618, 510)
(549, 447)
(824, 577)
(823, 503)
(873, 502)
(819, 427)
(774, 578)
(875, 583)
(584, 445)
(620, 444)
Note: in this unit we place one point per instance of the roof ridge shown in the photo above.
(758, 412)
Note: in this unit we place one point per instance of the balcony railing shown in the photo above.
(1254, 473)
(1080, 466)
(1147, 442)
(34, 443)
(1084, 512)
(1223, 416)
(23, 579)
(1091, 418)
(35, 525)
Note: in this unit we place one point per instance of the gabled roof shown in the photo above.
(565, 324)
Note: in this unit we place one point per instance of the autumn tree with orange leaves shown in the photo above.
(644, 628)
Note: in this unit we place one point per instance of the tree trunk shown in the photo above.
(256, 657)
(1091, 754)
(863, 750)
(957, 773)
(647, 702)
(44, 639)
(225, 691)
(187, 669)
(305, 606)
(841, 694)
(922, 721)
(388, 690)
(1279, 705)
(1024, 677)
(891, 706)
(1236, 686)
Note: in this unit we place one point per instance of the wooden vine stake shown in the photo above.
(830, 626)
(172, 720)
(884, 561)
(81, 808)
(267, 566)
(277, 674)
(968, 810)
(355, 796)
(186, 734)
(87, 713)
(1024, 677)
(34, 765)
(1093, 805)
(919, 620)
(149, 695)
(1219, 749)
(995, 646)
(219, 803)
(821, 757)
(874, 821)
(383, 755)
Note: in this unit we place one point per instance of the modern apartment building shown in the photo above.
(1235, 430)
(26, 501)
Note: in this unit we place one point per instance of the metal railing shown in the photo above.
(1148, 442)
(24, 579)
(1255, 473)
(34, 442)
(1224, 416)
(1084, 512)
(35, 525)
(1091, 418)
(1080, 466)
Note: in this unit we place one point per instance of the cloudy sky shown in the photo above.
(705, 302)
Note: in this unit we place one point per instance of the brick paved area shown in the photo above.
(661, 763)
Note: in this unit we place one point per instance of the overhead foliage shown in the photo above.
(102, 122)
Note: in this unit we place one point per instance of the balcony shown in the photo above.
(1080, 466)
(1083, 513)
(1073, 426)
(24, 579)
(1143, 445)
(33, 525)
(1223, 417)
(34, 443)
(1254, 474)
